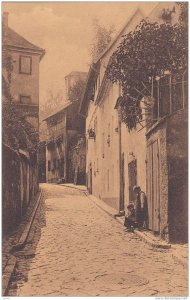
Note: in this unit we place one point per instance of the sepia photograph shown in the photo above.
(94, 149)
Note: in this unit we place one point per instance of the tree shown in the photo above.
(52, 102)
(149, 52)
(102, 37)
(76, 91)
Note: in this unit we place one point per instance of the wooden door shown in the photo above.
(153, 186)
(132, 172)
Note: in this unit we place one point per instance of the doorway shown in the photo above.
(153, 186)
(132, 172)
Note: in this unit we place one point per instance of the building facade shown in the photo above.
(20, 93)
(109, 147)
(153, 157)
(65, 146)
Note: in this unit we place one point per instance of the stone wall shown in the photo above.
(11, 200)
(19, 186)
(177, 148)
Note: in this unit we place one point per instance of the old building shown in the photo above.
(65, 130)
(167, 149)
(110, 149)
(153, 157)
(21, 61)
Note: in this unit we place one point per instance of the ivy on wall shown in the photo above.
(148, 52)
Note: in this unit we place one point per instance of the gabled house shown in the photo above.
(152, 157)
(25, 58)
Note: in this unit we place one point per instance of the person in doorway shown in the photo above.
(130, 218)
(141, 208)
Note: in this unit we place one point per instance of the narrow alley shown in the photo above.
(76, 249)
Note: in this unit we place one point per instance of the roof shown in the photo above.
(58, 110)
(76, 73)
(91, 78)
(14, 39)
(138, 10)
(93, 71)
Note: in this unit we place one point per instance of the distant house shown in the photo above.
(21, 93)
(155, 158)
(25, 74)
(65, 130)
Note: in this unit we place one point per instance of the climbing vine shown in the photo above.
(148, 52)
(17, 131)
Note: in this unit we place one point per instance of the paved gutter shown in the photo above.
(11, 263)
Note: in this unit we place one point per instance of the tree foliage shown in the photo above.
(76, 91)
(148, 52)
(53, 101)
(17, 131)
(102, 37)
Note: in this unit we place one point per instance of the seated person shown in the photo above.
(130, 218)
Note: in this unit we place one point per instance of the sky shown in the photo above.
(64, 30)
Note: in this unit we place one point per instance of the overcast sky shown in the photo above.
(64, 30)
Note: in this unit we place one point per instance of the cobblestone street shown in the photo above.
(76, 249)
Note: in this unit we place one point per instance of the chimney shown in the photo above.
(5, 19)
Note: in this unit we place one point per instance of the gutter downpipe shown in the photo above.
(121, 202)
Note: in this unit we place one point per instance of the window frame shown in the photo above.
(158, 99)
(26, 96)
(20, 64)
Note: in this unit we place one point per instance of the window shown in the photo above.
(25, 65)
(164, 96)
(49, 165)
(176, 93)
(25, 99)
(170, 95)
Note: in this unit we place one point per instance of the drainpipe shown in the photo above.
(121, 204)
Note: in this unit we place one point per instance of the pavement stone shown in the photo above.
(75, 249)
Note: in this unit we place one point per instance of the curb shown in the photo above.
(111, 214)
(7, 273)
(12, 261)
(73, 187)
(24, 236)
(148, 240)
